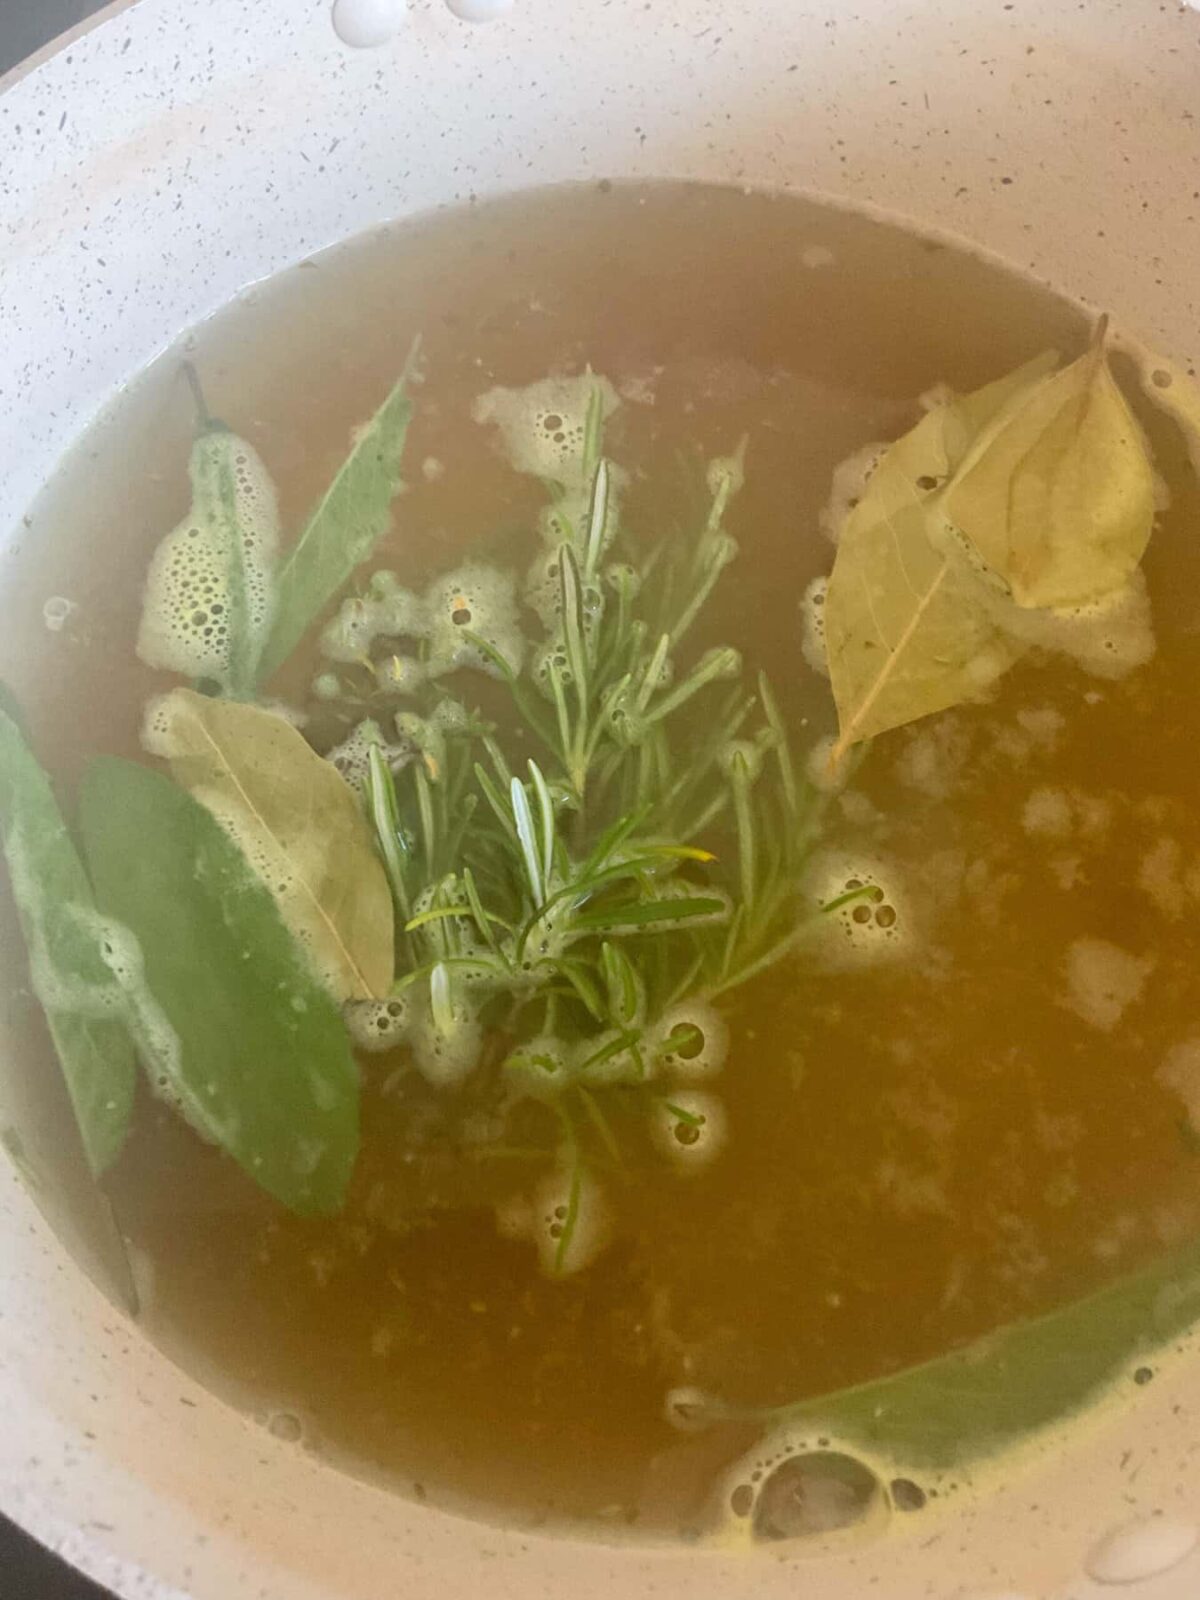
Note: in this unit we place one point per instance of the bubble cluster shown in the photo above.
(795, 1487)
(352, 757)
(378, 1025)
(210, 586)
(543, 427)
(692, 1042)
(690, 1127)
(473, 599)
(873, 922)
(812, 626)
(1108, 638)
(850, 479)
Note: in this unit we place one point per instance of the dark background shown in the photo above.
(26, 1571)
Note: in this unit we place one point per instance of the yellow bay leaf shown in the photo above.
(298, 823)
(1057, 495)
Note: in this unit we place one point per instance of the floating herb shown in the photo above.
(299, 824)
(1000, 509)
(1057, 494)
(352, 517)
(234, 1029)
(71, 979)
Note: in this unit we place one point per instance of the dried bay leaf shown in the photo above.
(909, 625)
(342, 532)
(62, 930)
(209, 598)
(926, 456)
(1057, 496)
(247, 1043)
(298, 823)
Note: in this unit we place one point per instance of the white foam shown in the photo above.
(1103, 981)
(1107, 638)
(690, 1126)
(703, 1034)
(1046, 814)
(812, 626)
(57, 612)
(877, 926)
(543, 426)
(850, 479)
(212, 563)
(378, 1025)
(1180, 1073)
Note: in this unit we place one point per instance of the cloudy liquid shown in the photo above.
(918, 1151)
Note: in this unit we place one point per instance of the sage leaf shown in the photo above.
(70, 978)
(966, 1406)
(209, 596)
(909, 624)
(1057, 496)
(298, 823)
(352, 517)
(237, 1032)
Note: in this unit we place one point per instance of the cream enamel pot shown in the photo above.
(157, 162)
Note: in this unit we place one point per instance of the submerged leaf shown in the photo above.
(62, 930)
(299, 824)
(236, 1031)
(345, 528)
(908, 625)
(209, 597)
(1057, 497)
(968, 1405)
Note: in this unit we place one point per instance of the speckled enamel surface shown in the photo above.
(177, 151)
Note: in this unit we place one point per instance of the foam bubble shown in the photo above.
(569, 1189)
(850, 479)
(690, 1126)
(876, 925)
(57, 612)
(543, 426)
(692, 1041)
(378, 1025)
(1103, 981)
(812, 625)
(352, 758)
(1108, 638)
(213, 565)
(792, 1486)
(474, 598)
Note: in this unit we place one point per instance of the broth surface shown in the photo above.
(919, 1152)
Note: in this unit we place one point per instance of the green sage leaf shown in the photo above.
(970, 1404)
(62, 931)
(352, 517)
(236, 1030)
